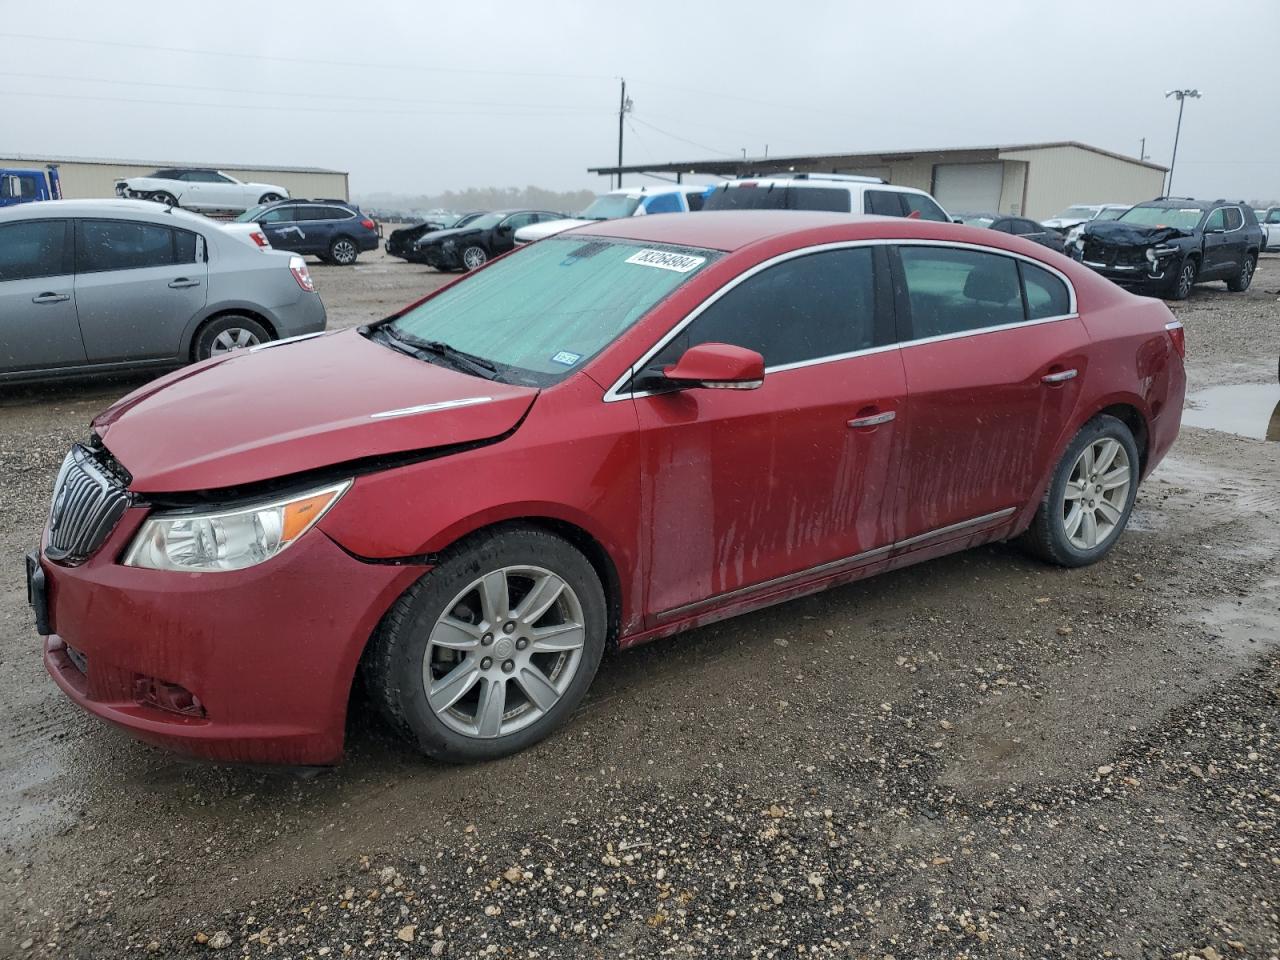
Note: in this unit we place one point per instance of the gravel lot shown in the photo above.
(980, 756)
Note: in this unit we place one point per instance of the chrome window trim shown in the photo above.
(615, 392)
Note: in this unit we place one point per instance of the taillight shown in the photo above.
(368, 224)
(1179, 337)
(298, 267)
(260, 238)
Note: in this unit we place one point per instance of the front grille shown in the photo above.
(1097, 252)
(88, 502)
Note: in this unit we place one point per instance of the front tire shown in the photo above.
(1090, 497)
(474, 257)
(1240, 282)
(231, 332)
(493, 649)
(269, 198)
(343, 251)
(1184, 281)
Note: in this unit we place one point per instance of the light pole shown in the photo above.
(1182, 97)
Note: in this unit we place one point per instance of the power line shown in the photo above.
(286, 93)
(360, 65)
(673, 136)
(549, 111)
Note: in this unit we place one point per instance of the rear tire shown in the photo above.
(161, 196)
(269, 198)
(343, 251)
(533, 668)
(1240, 282)
(226, 333)
(1089, 499)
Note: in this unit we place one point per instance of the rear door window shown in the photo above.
(883, 203)
(34, 248)
(817, 305)
(954, 291)
(1235, 219)
(925, 206)
(123, 245)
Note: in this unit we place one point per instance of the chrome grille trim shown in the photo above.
(88, 502)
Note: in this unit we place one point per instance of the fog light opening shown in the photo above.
(168, 696)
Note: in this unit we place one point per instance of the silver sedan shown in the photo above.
(107, 285)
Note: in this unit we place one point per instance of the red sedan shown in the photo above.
(609, 436)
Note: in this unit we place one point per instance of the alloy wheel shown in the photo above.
(1186, 278)
(1246, 274)
(1096, 493)
(473, 258)
(344, 252)
(233, 338)
(504, 651)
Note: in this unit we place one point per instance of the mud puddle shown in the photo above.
(1247, 410)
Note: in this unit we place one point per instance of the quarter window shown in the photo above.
(953, 291)
(124, 245)
(33, 248)
(1047, 296)
(817, 305)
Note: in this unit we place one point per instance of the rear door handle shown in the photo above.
(51, 298)
(183, 282)
(872, 420)
(1061, 376)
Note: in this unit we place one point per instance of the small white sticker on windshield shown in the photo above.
(568, 358)
(664, 260)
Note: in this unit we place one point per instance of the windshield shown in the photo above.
(610, 207)
(1182, 218)
(1114, 213)
(483, 221)
(976, 219)
(252, 214)
(546, 308)
(467, 219)
(1076, 213)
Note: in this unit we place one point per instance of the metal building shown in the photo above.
(1034, 180)
(84, 179)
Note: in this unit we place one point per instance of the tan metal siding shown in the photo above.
(85, 181)
(1057, 177)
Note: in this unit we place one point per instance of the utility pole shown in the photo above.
(1182, 97)
(624, 107)
(1142, 150)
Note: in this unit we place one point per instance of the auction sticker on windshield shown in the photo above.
(665, 260)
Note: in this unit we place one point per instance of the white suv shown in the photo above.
(840, 193)
(623, 202)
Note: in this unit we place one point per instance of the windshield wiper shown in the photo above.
(460, 359)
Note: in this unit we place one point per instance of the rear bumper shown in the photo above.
(305, 315)
(269, 652)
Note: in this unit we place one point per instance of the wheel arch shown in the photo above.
(189, 338)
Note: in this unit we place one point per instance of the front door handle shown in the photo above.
(51, 298)
(872, 420)
(1059, 376)
(183, 282)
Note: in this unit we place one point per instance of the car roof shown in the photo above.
(1190, 203)
(733, 229)
(654, 189)
(44, 209)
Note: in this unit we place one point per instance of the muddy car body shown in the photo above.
(1164, 247)
(473, 526)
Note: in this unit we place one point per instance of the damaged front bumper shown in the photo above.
(1157, 268)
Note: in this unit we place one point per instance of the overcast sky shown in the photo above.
(420, 98)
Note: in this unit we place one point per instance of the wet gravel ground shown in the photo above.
(979, 756)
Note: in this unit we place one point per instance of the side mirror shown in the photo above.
(717, 366)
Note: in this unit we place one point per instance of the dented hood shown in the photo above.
(261, 414)
(1117, 234)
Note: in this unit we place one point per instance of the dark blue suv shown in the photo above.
(333, 230)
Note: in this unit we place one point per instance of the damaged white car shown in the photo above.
(199, 190)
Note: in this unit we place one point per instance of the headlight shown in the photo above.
(210, 541)
(1079, 244)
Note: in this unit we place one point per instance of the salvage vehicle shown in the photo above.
(1165, 246)
(1018, 226)
(333, 230)
(624, 202)
(400, 243)
(205, 190)
(475, 244)
(28, 186)
(609, 436)
(92, 286)
(1270, 223)
(1079, 214)
(842, 193)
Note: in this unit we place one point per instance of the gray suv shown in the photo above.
(107, 285)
